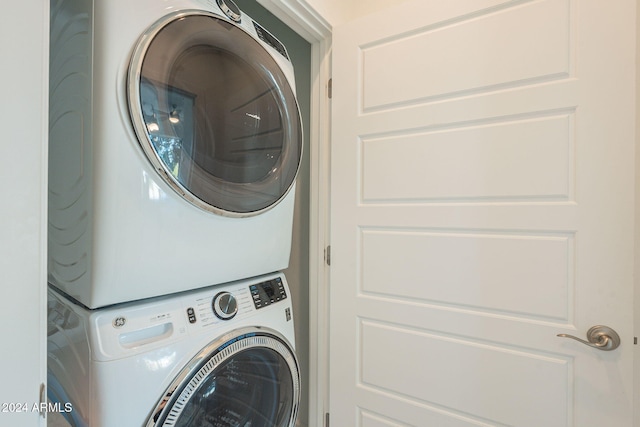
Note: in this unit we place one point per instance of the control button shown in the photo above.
(191, 314)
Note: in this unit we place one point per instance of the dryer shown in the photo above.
(221, 356)
(175, 140)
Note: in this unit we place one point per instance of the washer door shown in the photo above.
(215, 114)
(249, 380)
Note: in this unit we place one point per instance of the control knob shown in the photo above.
(225, 305)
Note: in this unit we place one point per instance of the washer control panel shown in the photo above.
(267, 292)
(137, 327)
(209, 308)
(215, 305)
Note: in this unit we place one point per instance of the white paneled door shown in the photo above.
(482, 204)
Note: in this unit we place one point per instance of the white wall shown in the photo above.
(334, 11)
(23, 170)
(339, 11)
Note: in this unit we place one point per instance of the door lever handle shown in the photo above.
(600, 337)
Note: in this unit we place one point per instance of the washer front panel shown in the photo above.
(248, 379)
(215, 114)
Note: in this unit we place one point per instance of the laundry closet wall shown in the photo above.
(23, 188)
(298, 272)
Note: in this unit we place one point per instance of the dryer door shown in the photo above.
(215, 114)
(248, 380)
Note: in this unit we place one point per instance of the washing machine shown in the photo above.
(221, 356)
(175, 141)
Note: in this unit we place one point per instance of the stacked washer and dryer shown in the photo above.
(175, 141)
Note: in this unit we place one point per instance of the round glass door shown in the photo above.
(215, 114)
(251, 380)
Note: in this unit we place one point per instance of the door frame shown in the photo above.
(311, 26)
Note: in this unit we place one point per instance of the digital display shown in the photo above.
(267, 293)
(268, 289)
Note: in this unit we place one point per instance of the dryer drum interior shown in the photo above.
(215, 114)
(248, 381)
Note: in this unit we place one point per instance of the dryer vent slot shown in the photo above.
(145, 336)
(269, 39)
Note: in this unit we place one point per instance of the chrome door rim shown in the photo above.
(134, 104)
(169, 408)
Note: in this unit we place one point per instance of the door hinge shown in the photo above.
(330, 88)
(327, 255)
(43, 404)
(326, 420)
